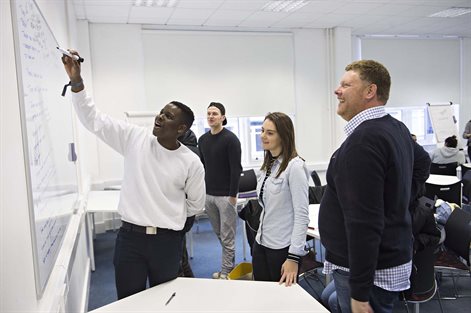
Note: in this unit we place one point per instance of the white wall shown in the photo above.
(17, 281)
(246, 71)
(119, 77)
(118, 82)
(422, 70)
(426, 70)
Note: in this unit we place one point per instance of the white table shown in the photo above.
(214, 295)
(104, 201)
(442, 179)
(313, 227)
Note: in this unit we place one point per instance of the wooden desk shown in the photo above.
(104, 201)
(214, 295)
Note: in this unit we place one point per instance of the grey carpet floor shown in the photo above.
(207, 259)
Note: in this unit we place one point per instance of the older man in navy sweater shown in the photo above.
(364, 220)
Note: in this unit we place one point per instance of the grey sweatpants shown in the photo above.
(223, 217)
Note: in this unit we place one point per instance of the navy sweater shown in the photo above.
(221, 155)
(364, 219)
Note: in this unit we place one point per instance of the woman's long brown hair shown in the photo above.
(284, 127)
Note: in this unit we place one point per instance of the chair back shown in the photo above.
(464, 168)
(248, 181)
(423, 275)
(444, 169)
(466, 180)
(316, 193)
(458, 233)
(315, 178)
(450, 193)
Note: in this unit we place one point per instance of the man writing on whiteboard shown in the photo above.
(163, 183)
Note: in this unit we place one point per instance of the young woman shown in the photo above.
(283, 193)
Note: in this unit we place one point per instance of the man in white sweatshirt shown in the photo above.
(449, 153)
(163, 184)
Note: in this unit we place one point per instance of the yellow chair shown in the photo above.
(243, 271)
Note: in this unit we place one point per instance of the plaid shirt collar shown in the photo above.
(368, 114)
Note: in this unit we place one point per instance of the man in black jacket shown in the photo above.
(364, 218)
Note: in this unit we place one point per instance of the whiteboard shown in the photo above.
(46, 123)
(443, 121)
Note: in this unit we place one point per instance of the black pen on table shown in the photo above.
(171, 297)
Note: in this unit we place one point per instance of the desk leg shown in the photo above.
(90, 236)
(189, 239)
(113, 221)
(239, 207)
(244, 241)
(93, 225)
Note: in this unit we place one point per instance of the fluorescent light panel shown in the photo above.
(158, 3)
(284, 5)
(452, 12)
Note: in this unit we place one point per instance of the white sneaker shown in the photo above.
(219, 275)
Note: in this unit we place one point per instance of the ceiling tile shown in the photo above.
(186, 22)
(189, 13)
(97, 12)
(230, 14)
(363, 16)
(331, 20)
(199, 4)
(323, 6)
(105, 2)
(357, 8)
(153, 15)
(389, 9)
(297, 20)
(422, 11)
(243, 5)
(216, 22)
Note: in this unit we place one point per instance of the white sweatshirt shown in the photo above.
(446, 155)
(160, 187)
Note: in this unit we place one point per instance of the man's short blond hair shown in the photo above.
(373, 72)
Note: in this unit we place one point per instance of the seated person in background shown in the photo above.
(467, 135)
(414, 137)
(449, 153)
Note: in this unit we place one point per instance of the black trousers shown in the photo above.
(185, 267)
(267, 262)
(139, 257)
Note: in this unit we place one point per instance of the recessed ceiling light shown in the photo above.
(452, 12)
(158, 3)
(284, 5)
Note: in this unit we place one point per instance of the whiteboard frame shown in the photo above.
(26, 152)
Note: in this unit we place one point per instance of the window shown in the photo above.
(248, 130)
(418, 121)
